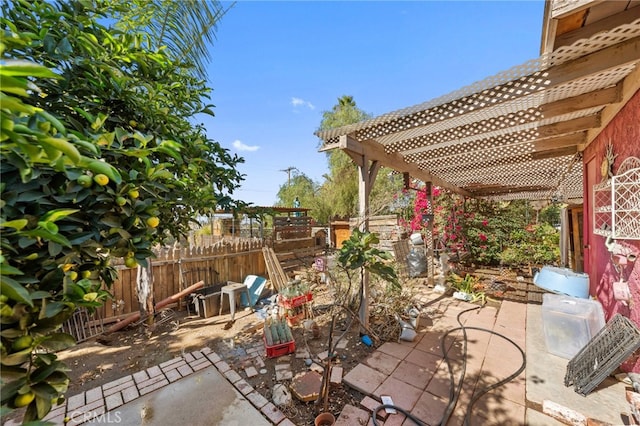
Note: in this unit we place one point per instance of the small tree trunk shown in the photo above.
(144, 289)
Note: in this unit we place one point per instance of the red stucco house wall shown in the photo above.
(623, 132)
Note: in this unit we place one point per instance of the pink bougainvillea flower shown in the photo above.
(485, 222)
(482, 237)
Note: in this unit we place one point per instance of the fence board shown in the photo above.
(232, 259)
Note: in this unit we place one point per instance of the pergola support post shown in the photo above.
(367, 173)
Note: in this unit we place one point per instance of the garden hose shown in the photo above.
(454, 392)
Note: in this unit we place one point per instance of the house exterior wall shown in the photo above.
(624, 134)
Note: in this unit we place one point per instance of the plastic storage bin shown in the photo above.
(569, 323)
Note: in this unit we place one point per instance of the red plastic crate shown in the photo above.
(295, 319)
(294, 302)
(279, 350)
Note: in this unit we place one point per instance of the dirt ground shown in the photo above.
(108, 357)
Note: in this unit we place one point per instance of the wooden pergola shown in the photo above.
(518, 134)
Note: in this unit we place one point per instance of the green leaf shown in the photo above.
(55, 215)
(63, 146)
(6, 269)
(15, 291)
(9, 390)
(17, 224)
(12, 67)
(58, 341)
(54, 308)
(15, 359)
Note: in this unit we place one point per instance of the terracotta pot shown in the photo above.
(325, 419)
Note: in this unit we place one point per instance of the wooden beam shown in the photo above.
(613, 21)
(623, 53)
(552, 153)
(395, 161)
(570, 126)
(573, 139)
(630, 86)
(500, 190)
(564, 8)
(596, 98)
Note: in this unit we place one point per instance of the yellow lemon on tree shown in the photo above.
(121, 201)
(73, 275)
(153, 222)
(101, 179)
(85, 181)
(24, 399)
(22, 342)
(86, 274)
(90, 297)
(134, 193)
(130, 262)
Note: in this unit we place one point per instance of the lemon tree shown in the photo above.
(100, 160)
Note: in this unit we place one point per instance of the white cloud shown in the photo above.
(241, 146)
(297, 102)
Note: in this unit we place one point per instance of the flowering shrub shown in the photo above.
(535, 244)
(484, 232)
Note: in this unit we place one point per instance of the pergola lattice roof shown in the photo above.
(517, 134)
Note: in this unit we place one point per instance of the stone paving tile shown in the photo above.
(154, 371)
(425, 360)
(382, 362)
(364, 379)
(92, 395)
(251, 372)
(273, 413)
(153, 386)
(440, 383)
(232, 376)
(403, 394)
(431, 342)
(350, 416)
(499, 410)
(397, 419)
(243, 386)
(120, 381)
(140, 376)
(214, 357)
(113, 401)
(429, 408)
(256, 399)
(117, 388)
(394, 349)
(371, 404)
(413, 374)
(130, 394)
(75, 401)
(173, 375)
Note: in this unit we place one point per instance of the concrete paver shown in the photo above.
(201, 387)
(204, 398)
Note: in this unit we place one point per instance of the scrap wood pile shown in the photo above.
(277, 275)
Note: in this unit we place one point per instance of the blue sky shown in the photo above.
(277, 66)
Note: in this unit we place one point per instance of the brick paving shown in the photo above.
(414, 374)
(95, 402)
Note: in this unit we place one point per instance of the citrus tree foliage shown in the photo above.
(99, 160)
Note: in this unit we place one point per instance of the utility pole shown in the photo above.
(288, 171)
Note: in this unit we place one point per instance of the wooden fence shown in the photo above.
(174, 269)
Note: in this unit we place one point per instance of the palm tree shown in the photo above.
(186, 27)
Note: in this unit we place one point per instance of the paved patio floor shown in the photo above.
(414, 374)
